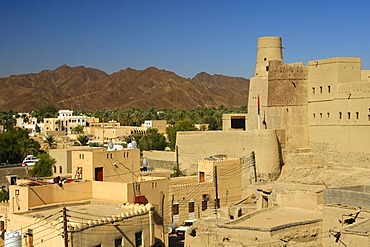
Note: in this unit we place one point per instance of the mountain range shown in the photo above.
(90, 89)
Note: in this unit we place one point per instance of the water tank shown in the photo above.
(13, 239)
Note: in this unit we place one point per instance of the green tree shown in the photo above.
(10, 148)
(50, 141)
(43, 168)
(48, 111)
(182, 125)
(177, 172)
(28, 146)
(4, 195)
(152, 140)
(83, 140)
(79, 129)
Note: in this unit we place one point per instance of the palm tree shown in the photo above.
(51, 141)
(28, 146)
(83, 140)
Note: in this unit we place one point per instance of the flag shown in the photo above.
(258, 105)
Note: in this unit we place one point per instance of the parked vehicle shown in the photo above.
(180, 231)
(30, 160)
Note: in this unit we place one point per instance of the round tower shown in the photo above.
(268, 49)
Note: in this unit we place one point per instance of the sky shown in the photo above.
(183, 36)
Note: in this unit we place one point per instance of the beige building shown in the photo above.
(121, 166)
(63, 158)
(234, 121)
(160, 125)
(193, 197)
(66, 121)
(97, 215)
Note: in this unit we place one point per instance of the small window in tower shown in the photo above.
(357, 115)
(328, 89)
(320, 115)
(267, 68)
(340, 115)
(265, 59)
(314, 115)
(320, 89)
(313, 90)
(328, 114)
(349, 115)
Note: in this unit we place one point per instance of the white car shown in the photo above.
(180, 231)
(30, 160)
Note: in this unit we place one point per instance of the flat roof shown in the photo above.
(88, 213)
(277, 217)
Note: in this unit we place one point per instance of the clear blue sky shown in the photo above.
(182, 36)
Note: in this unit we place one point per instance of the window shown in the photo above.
(118, 242)
(60, 169)
(82, 156)
(349, 115)
(267, 68)
(357, 115)
(98, 173)
(175, 209)
(320, 115)
(328, 89)
(313, 90)
(320, 89)
(314, 115)
(191, 207)
(138, 239)
(201, 177)
(204, 205)
(111, 155)
(205, 198)
(107, 156)
(55, 169)
(328, 114)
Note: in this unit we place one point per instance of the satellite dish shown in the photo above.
(110, 145)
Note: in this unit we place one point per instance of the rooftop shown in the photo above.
(276, 218)
(87, 214)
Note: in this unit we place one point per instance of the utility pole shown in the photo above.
(65, 232)
(216, 204)
(177, 159)
(254, 166)
(163, 216)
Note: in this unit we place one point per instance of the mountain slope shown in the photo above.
(92, 89)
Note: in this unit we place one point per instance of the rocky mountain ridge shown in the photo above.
(90, 89)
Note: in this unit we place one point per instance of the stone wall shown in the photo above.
(346, 196)
(197, 145)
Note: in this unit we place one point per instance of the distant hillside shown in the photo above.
(92, 89)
